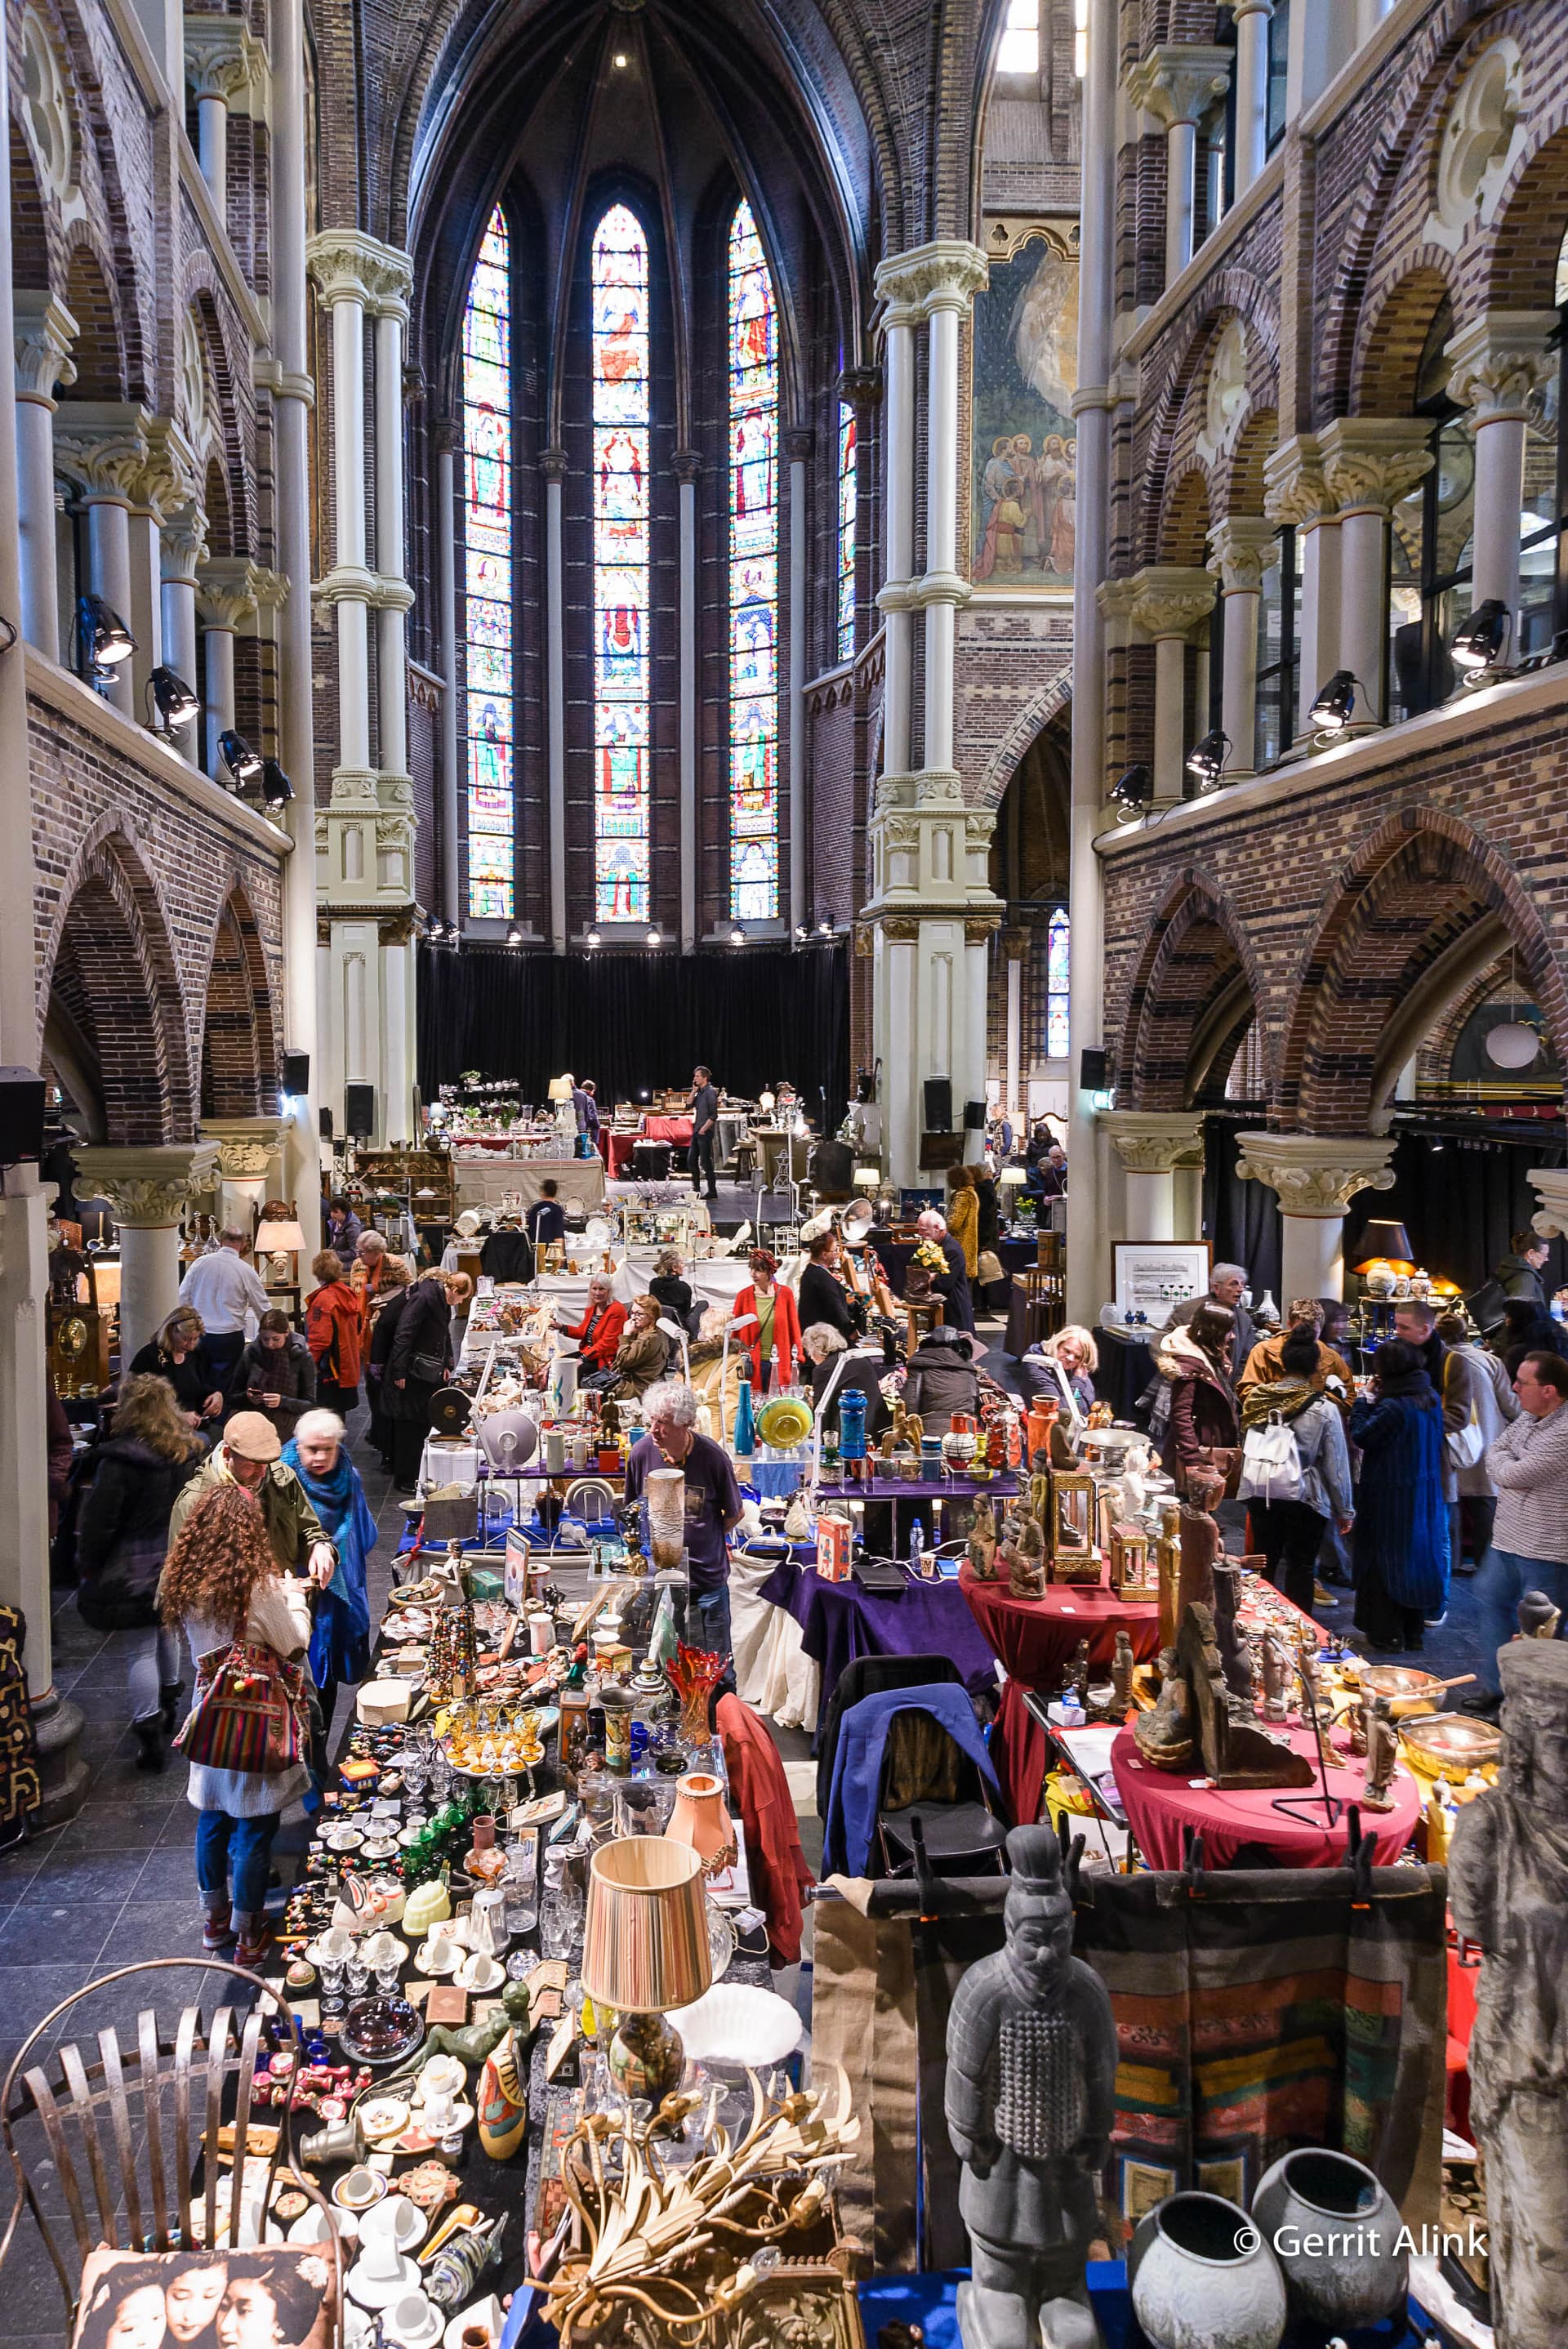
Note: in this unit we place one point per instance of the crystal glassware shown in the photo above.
(358, 1975)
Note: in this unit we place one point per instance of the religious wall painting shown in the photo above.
(1022, 374)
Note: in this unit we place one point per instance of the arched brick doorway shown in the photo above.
(1193, 999)
(115, 1022)
(238, 1044)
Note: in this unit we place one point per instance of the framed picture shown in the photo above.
(1152, 1276)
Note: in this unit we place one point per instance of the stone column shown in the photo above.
(1169, 599)
(340, 262)
(1495, 365)
(223, 59)
(1015, 946)
(552, 464)
(797, 449)
(167, 486)
(446, 437)
(1316, 1177)
(148, 1188)
(248, 1150)
(394, 595)
(1243, 549)
(1370, 464)
(1175, 84)
(45, 333)
(103, 446)
(226, 596)
(183, 550)
(956, 273)
(899, 320)
(1151, 1144)
(1297, 494)
(687, 466)
(1252, 18)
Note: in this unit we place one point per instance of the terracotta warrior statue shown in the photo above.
(1507, 1883)
(1031, 2072)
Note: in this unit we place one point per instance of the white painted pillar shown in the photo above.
(218, 648)
(45, 333)
(391, 666)
(898, 472)
(1363, 607)
(1495, 364)
(1168, 602)
(212, 147)
(109, 573)
(148, 1188)
(896, 993)
(1181, 156)
(1174, 84)
(146, 614)
(970, 1075)
(1243, 549)
(1252, 20)
(1151, 1206)
(1152, 1146)
(447, 600)
(944, 590)
(24, 1484)
(554, 464)
(397, 1112)
(1319, 549)
(182, 544)
(1170, 715)
(1369, 464)
(687, 465)
(797, 447)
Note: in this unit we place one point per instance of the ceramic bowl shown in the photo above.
(358, 2189)
(1200, 2274)
(734, 2024)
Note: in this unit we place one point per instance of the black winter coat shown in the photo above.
(424, 1328)
(287, 1372)
(939, 1382)
(122, 1532)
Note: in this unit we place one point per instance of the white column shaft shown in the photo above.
(688, 711)
(1239, 685)
(391, 675)
(397, 1109)
(1252, 93)
(447, 592)
(1312, 1256)
(353, 684)
(392, 691)
(348, 428)
(217, 646)
(146, 613)
(941, 528)
(1151, 1206)
(213, 149)
(23, 1487)
(799, 630)
(556, 688)
(1318, 628)
(1015, 1035)
(970, 1078)
(1170, 715)
(898, 474)
(1498, 502)
(109, 576)
(941, 633)
(1180, 157)
(179, 644)
(1363, 613)
(36, 522)
(898, 993)
(148, 1281)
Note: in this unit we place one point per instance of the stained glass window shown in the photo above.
(1059, 941)
(846, 531)
(489, 707)
(753, 578)
(622, 784)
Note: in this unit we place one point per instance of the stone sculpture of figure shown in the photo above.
(1026, 1560)
(1382, 1752)
(1121, 1673)
(1309, 1672)
(1508, 1882)
(1031, 2072)
(982, 1547)
(1276, 1676)
(1077, 1673)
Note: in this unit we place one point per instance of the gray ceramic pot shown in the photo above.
(1335, 2234)
(1202, 2278)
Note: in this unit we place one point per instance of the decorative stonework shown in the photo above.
(102, 445)
(246, 1145)
(944, 274)
(1315, 1174)
(1225, 401)
(900, 929)
(1480, 138)
(1551, 1185)
(1154, 1142)
(1294, 489)
(226, 591)
(183, 539)
(1497, 362)
(349, 267)
(46, 106)
(1243, 549)
(1370, 463)
(149, 1189)
(45, 333)
(979, 928)
(1176, 82)
(1169, 599)
(224, 59)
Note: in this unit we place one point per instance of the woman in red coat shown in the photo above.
(333, 1331)
(778, 1321)
(600, 1333)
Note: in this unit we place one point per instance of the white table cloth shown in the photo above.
(484, 1182)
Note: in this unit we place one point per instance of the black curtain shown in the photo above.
(1461, 1202)
(640, 1021)
(1240, 1220)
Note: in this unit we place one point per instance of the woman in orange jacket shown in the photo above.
(333, 1331)
(778, 1321)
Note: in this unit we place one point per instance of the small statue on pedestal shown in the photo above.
(1309, 1671)
(1025, 1554)
(1382, 1752)
(1508, 1882)
(1122, 1669)
(1164, 1735)
(982, 1545)
(1031, 2072)
(1537, 1616)
(1077, 1674)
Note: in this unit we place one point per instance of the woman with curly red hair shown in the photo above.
(221, 1585)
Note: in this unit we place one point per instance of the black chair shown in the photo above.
(868, 1676)
(946, 1803)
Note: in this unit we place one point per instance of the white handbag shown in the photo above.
(1465, 1444)
(1271, 1463)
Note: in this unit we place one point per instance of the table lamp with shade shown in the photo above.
(561, 1092)
(1385, 1243)
(281, 1239)
(645, 1953)
(869, 1180)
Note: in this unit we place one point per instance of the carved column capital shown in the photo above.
(45, 333)
(148, 1188)
(944, 274)
(687, 464)
(102, 446)
(1315, 1174)
(1015, 944)
(1497, 362)
(224, 59)
(1245, 547)
(1154, 1142)
(552, 464)
(349, 267)
(246, 1145)
(183, 539)
(1295, 491)
(1169, 599)
(226, 591)
(1175, 82)
(1550, 1184)
(800, 444)
(861, 386)
(1370, 463)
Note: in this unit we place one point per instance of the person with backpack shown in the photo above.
(1295, 1467)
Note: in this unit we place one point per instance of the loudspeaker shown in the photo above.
(296, 1072)
(359, 1110)
(325, 1116)
(1094, 1068)
(973, 1117)
(939, 1104)
(21, 1115)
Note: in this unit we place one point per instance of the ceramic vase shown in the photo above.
(502, 2101)
(1336, 2235)
(1202, 2278)
(700, 1819)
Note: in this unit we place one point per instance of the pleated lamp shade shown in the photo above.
(644, 1944)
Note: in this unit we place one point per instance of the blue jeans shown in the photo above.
(1502, 1580)
(242, 1846)
(708, 1620)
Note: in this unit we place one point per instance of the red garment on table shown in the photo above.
(776, 1863)
(600, 1348)
(334, 1332)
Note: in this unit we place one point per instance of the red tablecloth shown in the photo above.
(1036, 1639)
(1159, 1804)
(615, 1149)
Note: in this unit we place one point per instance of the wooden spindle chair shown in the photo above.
(142, 2117)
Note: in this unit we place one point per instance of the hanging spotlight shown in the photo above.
(593, 939)
(514, 936)
(244, 763)
(1478, 645)
(825, 929)
(177, 704)
(736, 934)
(1331, 712)
(1133, 788)
(654, 938)
(276, 789)
(1206, 760)
(102, 637)
(801, 931)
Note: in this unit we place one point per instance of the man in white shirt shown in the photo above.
(225, 1289)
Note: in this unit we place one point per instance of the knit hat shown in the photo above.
(253, 1437)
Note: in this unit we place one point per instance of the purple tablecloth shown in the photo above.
(840, 1621)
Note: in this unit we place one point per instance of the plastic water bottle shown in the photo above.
(916, 1549)
(745, 1443)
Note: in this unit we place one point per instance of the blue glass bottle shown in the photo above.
(744, 1439)
(853, 1424)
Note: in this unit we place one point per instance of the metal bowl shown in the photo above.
(1449, 1744)
(1408, 1689)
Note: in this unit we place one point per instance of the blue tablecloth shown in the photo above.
(840, 1621)
(930, 2301)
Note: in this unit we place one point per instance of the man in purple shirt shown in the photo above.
(712, 1501)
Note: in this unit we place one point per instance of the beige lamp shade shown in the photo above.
(1012, 1176)
(282, 1237)
(644, 1946)
(560, 1089)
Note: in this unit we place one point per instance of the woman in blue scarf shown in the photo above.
(340, 1643)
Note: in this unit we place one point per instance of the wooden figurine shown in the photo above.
(1234, 1753)
(982, 1545)
(1168, 1572)
(502, 2102)
(1276, 1676)
(1122, 1669)
(1164, 1735)
(1026, 1552)
(1382, 1752)
(1309, 1671)
(1077, 1674)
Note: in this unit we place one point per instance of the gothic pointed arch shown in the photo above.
(112, 985)
(1196, 991)
(239, 1037)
